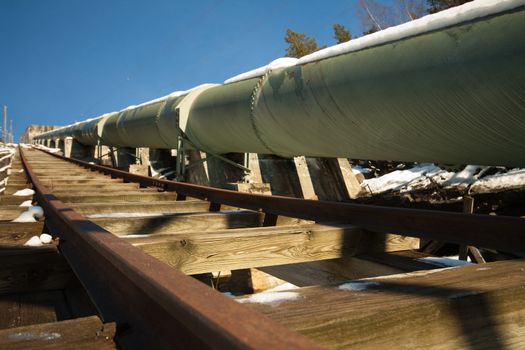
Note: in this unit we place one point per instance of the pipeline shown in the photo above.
(446, 88)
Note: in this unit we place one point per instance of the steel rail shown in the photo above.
(154, 305)
(502, 233)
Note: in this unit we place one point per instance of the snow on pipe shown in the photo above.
(448, 88)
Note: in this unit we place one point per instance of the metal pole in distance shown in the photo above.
(5, 124)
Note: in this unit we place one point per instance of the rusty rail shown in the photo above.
(496, 232)
(154, 305)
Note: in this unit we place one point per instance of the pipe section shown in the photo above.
(454, 94)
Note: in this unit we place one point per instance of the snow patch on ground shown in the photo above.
(34, 336)
(34, 242)
(444, 261)
(281, 287)
(356, 169)
(515, 178)
(358, 285)
(24, 192)
(271, 298)
(32, 213)
(424, 175)
(136, 236)
(465, 177)
(4, 168)
(38, 241)
(405, 180)
(483, 268)
(48, 149)
(8, 156)
(46, 238)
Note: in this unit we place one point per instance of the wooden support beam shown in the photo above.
(176, 223)
(237, 249)
(14, 200)
(112, 187)
(120, 197)
(101, 191)
(474, 307)
(14, 233)
(10, 212)
(87, 182)
(23, 309)
(343, 269)
(187, 206)
(468, 207)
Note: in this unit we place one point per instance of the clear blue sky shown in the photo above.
(63, 61)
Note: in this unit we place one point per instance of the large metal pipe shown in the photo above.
(452, 93)
(452, 96)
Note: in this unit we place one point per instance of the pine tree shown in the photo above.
(371, 30)
(299, 44)
(341, 34)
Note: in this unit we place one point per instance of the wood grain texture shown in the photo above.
(10, 212)
(176, 223)
(32, 308)
(237, 249)
(30, 269)
(472, 307)
(328, 271)
(111, 197)
(379, 242)
(12, 232)
(82, 333)
(8, 199)
(187, 206)
(343, 269)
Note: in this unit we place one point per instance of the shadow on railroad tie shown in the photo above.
(470, 308)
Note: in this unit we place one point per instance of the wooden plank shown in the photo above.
(13, 200)
(381, 242)
(10, 311)
(100, 187)
(118, 197)
(30, 269)
(347, 268)
(176, 223)
(78, 301)
(101, 191)
(475, 307)
(10, 212)
(85, 181)
(42, 307)
(236, 249)
(15, 232)
(405, 260)
(187, 206)
(329, 271)
(81, 333)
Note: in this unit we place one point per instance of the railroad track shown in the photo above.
(118, 274)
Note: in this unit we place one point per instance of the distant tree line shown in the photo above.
(374, 16)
